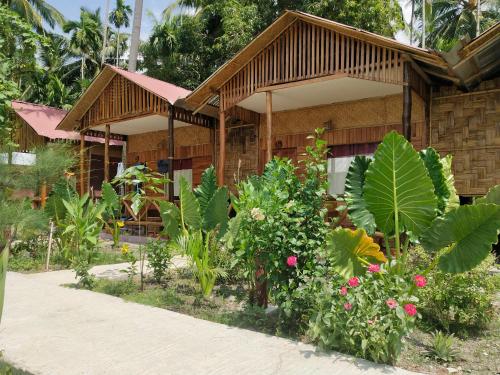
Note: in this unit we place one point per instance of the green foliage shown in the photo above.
(354, 185)
(442, 347)
(467, 232)
(112, 211)
(361, 322)
(436, 172)
(280, 215)
(493, 196)
(159, 258)
(453, 200)
(62, 190)
(461, 303)
(351, 251)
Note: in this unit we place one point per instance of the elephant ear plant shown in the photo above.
(197, 224)
(409, 196)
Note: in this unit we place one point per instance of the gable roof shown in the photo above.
(207, 90)
(44, 121)
(167, 91)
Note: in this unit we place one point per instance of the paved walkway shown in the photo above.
(52, 330)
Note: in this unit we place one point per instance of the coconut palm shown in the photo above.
(119, 17)
(36, 12)
(85, 36)
(136, 36)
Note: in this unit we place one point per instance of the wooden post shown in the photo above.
(43, 194)
(171, 114)
(406, 101)
(213, 142)
(49, 248)
(222, 148)
(82, 163)
(106, 153)
(269, 125)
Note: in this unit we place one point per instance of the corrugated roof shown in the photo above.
(44, 121)
(162, 89)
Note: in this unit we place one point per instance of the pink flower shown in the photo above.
(373, 268)
(370, 322)
(410, 309)
(353, 282)
(347, 306)
(391, 303)
(420, 281)
(343, 290)
(291, 261)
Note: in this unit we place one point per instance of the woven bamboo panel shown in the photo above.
(467, 125)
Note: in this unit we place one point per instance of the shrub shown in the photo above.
(442, 347)
(459, 303)
(159, 258)
(367, 316)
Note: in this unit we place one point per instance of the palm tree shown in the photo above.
(85, 36)
(136, 36)
(36, 12)
(120, 17)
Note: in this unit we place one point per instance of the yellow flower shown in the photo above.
(120, 224)
(125, 249)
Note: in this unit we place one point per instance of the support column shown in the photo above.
(406, 102)
(82, 163)
(222, 148)
(213, 142)
(171, 114)
(106, 154)
(269, 125)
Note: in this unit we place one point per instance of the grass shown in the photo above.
(179, 293)
(8, 369)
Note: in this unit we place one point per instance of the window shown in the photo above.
(339, 161)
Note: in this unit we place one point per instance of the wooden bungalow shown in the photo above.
(305, 72)
(36, 126)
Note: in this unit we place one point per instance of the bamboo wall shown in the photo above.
(27, 138)
(308, 51)
(467, 125)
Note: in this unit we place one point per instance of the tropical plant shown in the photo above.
(442, 347)
(159, 258)
(196, 225)
(112, 212)
(119, 17)
(409, 198)
(36, 12)
(86, 37)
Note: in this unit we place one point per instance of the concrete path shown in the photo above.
(52, 330)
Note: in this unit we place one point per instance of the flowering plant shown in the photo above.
(367, 316)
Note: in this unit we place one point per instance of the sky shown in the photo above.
(71, 10)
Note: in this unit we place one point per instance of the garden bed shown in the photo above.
(228, 305)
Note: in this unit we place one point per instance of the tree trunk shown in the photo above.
(411, 20)
(82, 75)
(105, 32)
(136, 37)
(117, 62)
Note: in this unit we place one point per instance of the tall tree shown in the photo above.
(136, 36)
(36, 12)
(85, 36)
(119, 17)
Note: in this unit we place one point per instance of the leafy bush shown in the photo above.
(367, 317)
(159, 258)
(461, 303)
(280, 228)
(442, 347)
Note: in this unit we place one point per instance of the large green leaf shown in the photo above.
(216, 212)
(355, 181)
(110, 197)
(397, 184)
(493, 196)
(351, 249)
(171, 218)
(453, 200)
(436, 172)
(469, 231)
(189, 206)
(207, 188)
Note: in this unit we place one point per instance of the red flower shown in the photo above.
(373, 268)
(291, 261)
(343, 290)
(410, 309)
(353, 282)
(420, 281)
(347, 306)
(391, 303)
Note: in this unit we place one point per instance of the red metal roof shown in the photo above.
(163, 89)
(44, 120)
